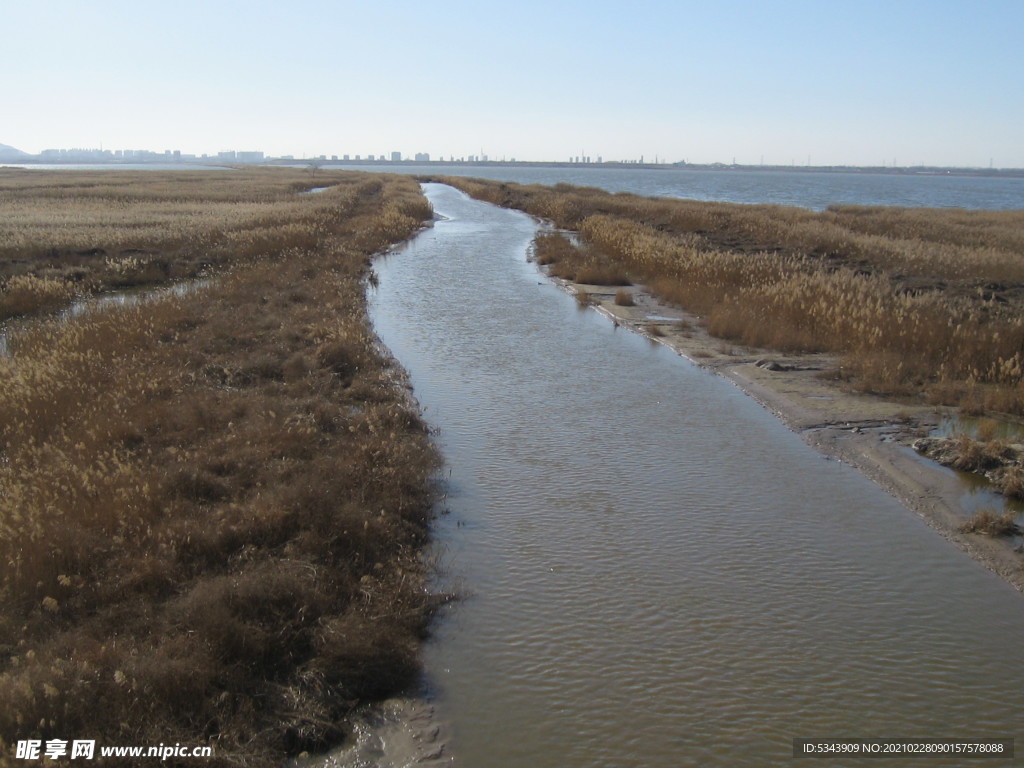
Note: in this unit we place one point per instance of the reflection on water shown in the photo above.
(979, 427)
(657, 573)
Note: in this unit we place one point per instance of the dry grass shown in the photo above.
(1011, 482)
(578, 264)
(916, 302)
(979, 456)
(994, 458)
(624, 298)
(86, 232)
(991, 523)
(585, 299)
(213, 505)
(29, 294)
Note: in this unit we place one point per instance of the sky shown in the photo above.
(780, 82)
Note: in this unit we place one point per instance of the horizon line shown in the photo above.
(151, 158)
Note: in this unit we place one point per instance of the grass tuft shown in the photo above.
(585, 299)
(990, 523)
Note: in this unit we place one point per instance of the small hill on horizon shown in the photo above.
(8, 152)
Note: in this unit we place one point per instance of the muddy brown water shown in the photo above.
(655, 571)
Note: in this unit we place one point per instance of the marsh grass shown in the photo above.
(585, 265)
(916, 302)
(31, 294)
(213, 505)
(979, 456)
(1011, 482)
(991, 523)
(92, 231)
(624, 298)
(993, 457)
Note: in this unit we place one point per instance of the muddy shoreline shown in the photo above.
(403, 732)
(870, 433)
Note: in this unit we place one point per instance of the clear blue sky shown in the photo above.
(861, 82)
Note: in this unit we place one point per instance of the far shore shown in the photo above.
(868, 432)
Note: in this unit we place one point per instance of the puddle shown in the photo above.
(972, 426)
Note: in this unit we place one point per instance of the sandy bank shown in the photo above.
(865, 431)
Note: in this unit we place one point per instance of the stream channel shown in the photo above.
(654, 570)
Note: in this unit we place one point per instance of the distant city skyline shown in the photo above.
(792, 82)
(9, 155)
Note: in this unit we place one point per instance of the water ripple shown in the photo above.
(658, 572)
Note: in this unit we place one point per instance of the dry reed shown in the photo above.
(213, 505)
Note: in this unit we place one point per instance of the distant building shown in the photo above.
(422, 157)
(249, 157)
(396, 157)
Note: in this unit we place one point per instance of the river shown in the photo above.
(655, 572)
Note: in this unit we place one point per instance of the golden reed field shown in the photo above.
(213, 504)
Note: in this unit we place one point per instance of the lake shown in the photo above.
(807, 189)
